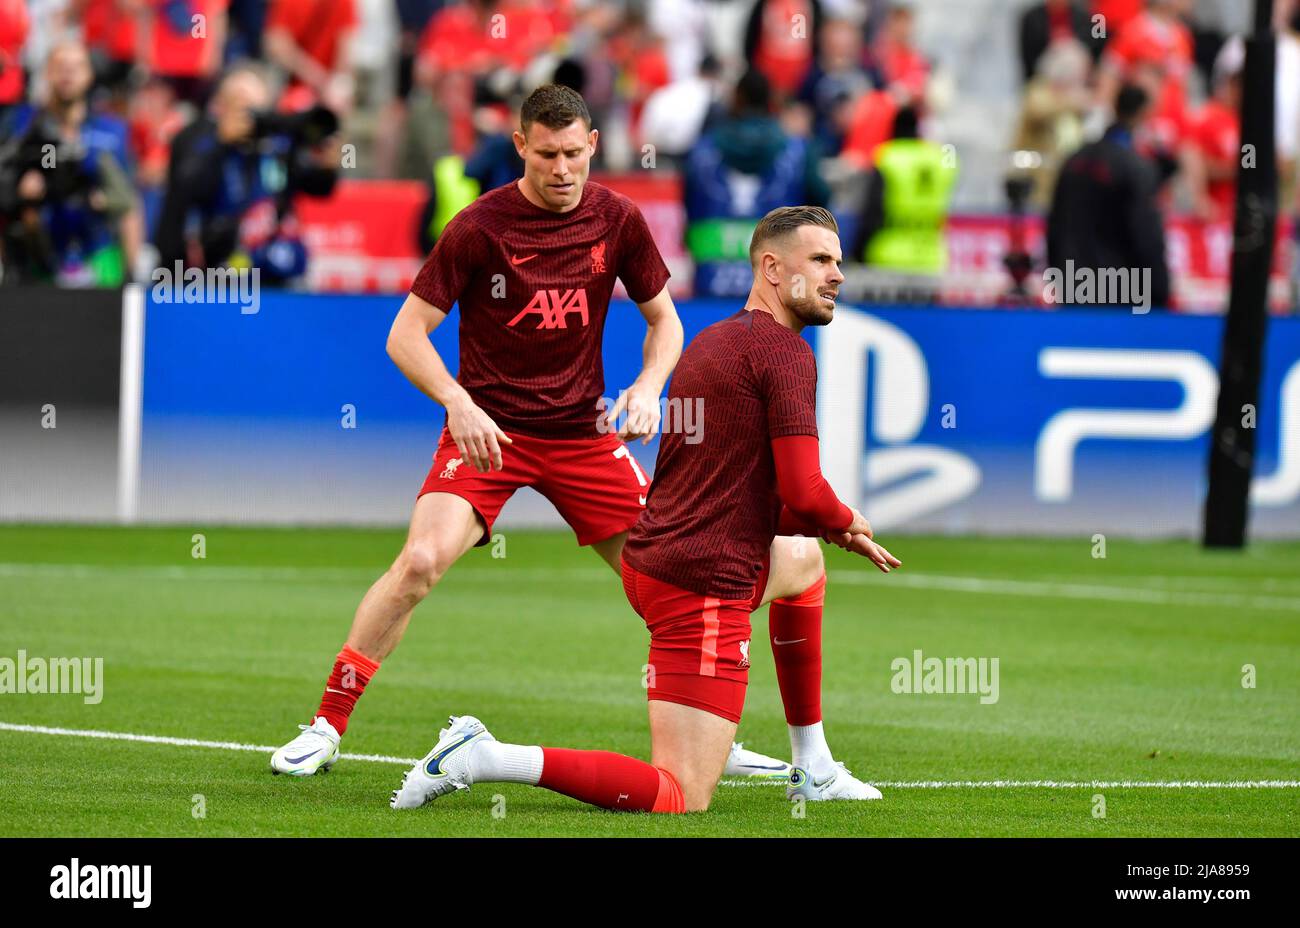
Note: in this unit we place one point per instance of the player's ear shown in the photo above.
(521, 143)
(592, 136)
(771, 268)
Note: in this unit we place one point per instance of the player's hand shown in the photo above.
(861, 544)
(642, 407)
(859, 526)
(477, 437)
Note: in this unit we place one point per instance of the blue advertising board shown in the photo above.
(953, 420)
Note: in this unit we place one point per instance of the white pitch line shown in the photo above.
(183, 742)
(953, 584)
(1052, 784)
(899, 784)
(1037, 588)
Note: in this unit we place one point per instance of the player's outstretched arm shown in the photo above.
(810, 503)
(662, 348)
(477, 437)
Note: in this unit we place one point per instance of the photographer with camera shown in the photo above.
(238, 155)
(67, 206)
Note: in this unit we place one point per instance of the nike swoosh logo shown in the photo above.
(761, 767)
(298, 760)
(826, 782)
(434, 767)
(518, 261)
(791, 641)
(330, 689)
(642, 498)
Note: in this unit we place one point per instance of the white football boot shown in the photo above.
(743, 763)
(314, 751)
(837, 784)
(446, 768)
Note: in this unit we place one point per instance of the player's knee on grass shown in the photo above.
(692, 745)
(698, 776)
(698, 791)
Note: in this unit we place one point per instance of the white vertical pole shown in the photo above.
(130, 403)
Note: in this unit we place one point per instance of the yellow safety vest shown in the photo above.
(918, 176)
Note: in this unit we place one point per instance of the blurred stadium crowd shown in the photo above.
(135, 133)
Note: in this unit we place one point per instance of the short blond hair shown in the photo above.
(785, 219)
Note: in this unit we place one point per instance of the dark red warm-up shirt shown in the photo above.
(714, 504)
(533, 287)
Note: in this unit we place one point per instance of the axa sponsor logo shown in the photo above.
(553, 309)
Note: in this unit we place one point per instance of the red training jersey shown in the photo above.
(713, 505)
(533, 287)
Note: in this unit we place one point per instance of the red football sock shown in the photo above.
(611, 781)
(795, 627)
(352, 671)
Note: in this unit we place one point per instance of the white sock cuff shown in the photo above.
(495, 762)
(808, 744)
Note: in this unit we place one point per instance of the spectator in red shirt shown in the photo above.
(110, 31)
(480, 35)
(640, 56)
(152, 122)
(308, 39)
(186, 38)
(871, 123)
(1155, 40)
(1213, 149)
(779, 42)
(900, 65)
(477, 39)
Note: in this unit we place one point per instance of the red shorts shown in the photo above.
(594, 483)
(699, 645)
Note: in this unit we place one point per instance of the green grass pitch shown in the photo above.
(1127, 668)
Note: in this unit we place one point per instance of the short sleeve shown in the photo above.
(640, 266)
(787, 378)
(451, 265)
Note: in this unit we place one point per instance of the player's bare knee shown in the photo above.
(697, 783)
(698, 793)
(420, 566)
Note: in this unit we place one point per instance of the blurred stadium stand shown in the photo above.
(419, 88)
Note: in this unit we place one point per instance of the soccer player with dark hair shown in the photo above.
(532, 265)
(701, 557)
